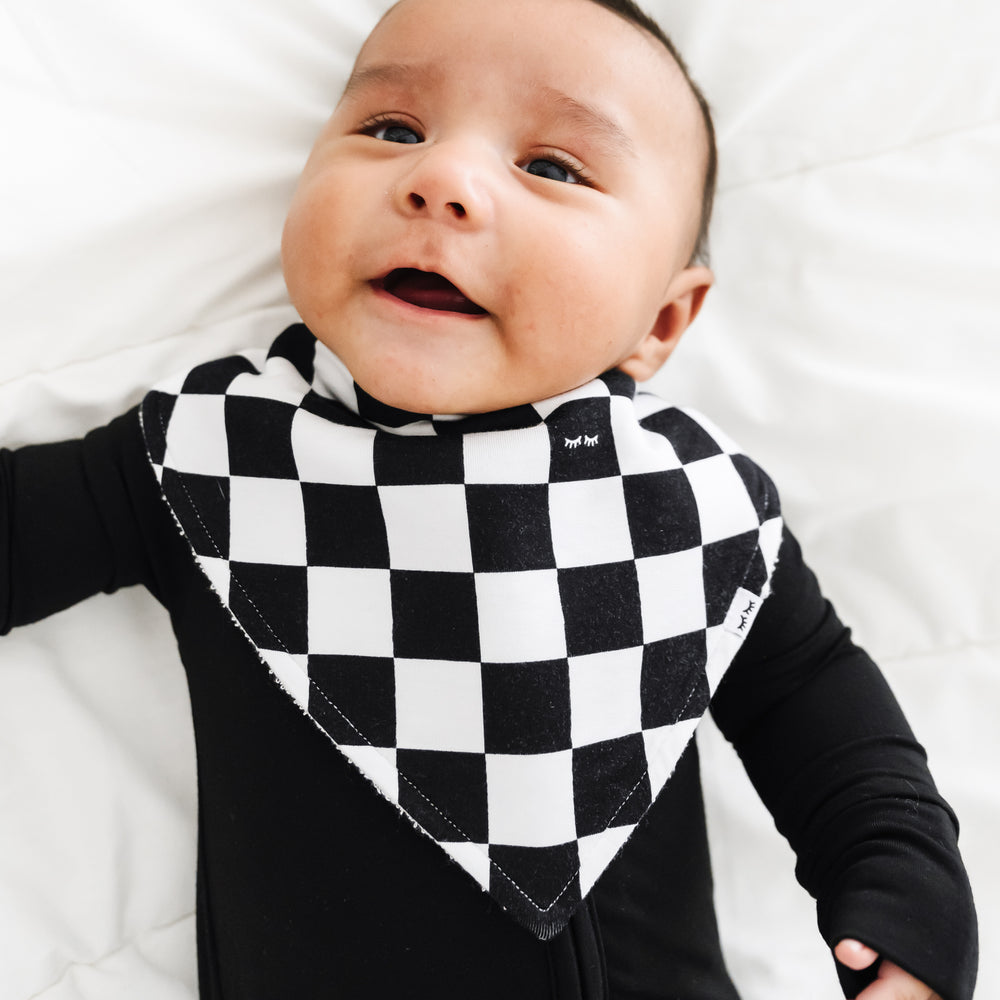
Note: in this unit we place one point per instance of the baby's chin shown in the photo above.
(450, 385)
(438, 400)
(430, 402)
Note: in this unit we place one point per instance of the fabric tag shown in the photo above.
(742, 612)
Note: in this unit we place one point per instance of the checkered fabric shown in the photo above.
(511, 623)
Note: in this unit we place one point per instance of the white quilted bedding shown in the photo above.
(852, 344)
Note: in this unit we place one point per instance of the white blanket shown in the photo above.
(851, 344)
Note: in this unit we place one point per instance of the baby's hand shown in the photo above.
(892, 983)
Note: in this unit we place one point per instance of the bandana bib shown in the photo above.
(511, 623)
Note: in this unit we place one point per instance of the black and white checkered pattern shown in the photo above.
(510, 623)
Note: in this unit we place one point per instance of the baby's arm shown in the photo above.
(68, 527)
(834, 760)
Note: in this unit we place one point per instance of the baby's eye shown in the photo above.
(389, 130)
(396, 133)
(553, 170)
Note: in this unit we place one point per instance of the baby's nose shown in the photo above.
(455, 207)
(451, 183)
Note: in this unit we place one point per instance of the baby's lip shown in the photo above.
(428, 290)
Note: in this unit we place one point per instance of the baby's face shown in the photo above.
(501, 206)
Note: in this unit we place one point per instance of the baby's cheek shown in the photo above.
(305, 258)
(313, 214)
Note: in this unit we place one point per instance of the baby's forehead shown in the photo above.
(566, 63)
(602, 24)
(397, 41)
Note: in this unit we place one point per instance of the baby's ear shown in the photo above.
(683, 301)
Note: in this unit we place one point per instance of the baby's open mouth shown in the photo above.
(428, 291)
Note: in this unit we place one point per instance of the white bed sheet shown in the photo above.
(851, 344)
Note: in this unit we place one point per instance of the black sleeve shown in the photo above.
(71, 521)
(831, 755)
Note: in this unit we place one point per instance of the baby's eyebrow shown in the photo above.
(388, 73)
(602, 128)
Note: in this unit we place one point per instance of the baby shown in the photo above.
(505, 585)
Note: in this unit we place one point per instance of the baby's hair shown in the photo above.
(630, 12)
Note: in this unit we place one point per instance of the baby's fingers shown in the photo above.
(854, 954)
(895, 984)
